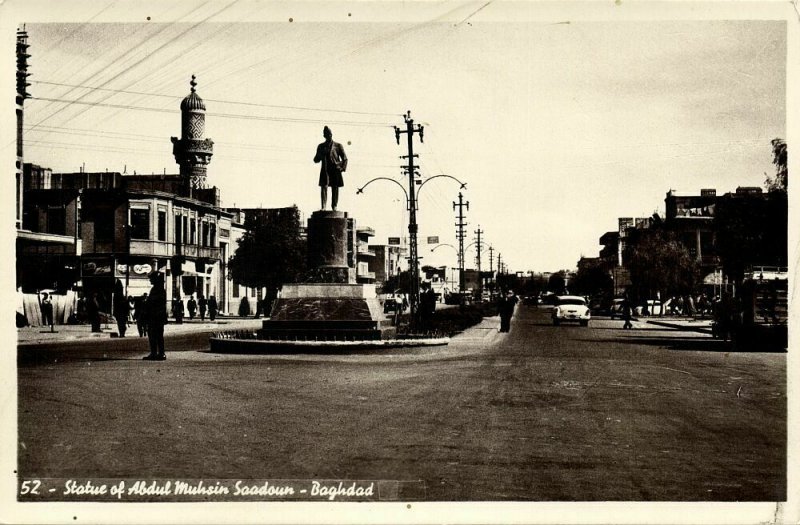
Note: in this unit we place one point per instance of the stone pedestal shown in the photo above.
(333, 310)
(327, 240)
(325, 311)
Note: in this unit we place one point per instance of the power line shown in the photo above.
(221, 115)
(219, 101)
(159, 48)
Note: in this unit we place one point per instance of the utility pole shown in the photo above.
(413, 227)
(460, 236)
(478, 249)
(499, 263)
(491, 267)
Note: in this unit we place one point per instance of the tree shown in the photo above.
(660, 263)
(780, 181)
(592, 280)
(271, 252)
(400, 281)
(557, 282)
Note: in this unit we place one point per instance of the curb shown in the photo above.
(702, 330)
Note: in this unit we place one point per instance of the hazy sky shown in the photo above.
(558, 128)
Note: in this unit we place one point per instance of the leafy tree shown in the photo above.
(557, 282)
(660, 263)
(779, 159)
(271, 252)
(400, 281)
(592, 280)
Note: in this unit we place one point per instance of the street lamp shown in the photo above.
(412, 204)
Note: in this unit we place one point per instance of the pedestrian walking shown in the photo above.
(177, 309)
(203, 304)
(191, 305)
(120, 309)
(156, 306)
(140, 314)
(627, 312)
(47, 310)
(506, 310)
(212, 307)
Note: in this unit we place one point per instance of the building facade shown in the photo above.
(108, 227)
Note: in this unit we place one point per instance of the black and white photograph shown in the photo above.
(399, 262)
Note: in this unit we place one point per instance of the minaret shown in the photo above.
(22, 94)
(192, 151)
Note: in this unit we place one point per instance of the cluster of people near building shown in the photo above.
(206, 306)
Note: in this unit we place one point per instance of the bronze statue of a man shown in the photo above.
(334, 163)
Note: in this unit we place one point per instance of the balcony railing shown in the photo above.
(168, 249)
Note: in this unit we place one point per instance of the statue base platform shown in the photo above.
(325, 312)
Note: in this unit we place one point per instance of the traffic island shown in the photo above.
(328, 312)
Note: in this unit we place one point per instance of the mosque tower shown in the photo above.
(192, 151)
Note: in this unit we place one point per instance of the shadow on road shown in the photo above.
(694, 344)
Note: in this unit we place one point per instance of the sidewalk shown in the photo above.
(71, 333)
(683, 323)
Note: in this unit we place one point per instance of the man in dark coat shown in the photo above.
(93, 311)
(627, 313)
(506, 310)
(156, 305)
(177, 309)
(140, 314)
(212, 307)
(191, 305)
(120, 310)
(334, 163)
(203, 303)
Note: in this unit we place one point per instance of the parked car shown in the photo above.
(395, 303)
(571, 308)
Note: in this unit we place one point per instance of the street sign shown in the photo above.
(433, 240)
(394, 241)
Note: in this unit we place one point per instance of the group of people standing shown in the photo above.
(209, 306)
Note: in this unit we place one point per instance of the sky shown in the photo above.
(558, 126)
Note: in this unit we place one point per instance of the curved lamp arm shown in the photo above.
(463, 184)
(443, 244)
(361, 189)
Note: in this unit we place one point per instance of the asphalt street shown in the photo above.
(542, 413)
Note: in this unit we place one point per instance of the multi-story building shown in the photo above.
(364, 256)
(691, 217)
(123, 226)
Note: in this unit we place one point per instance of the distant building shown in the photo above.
(364, 256)
(386, 261)
(691, 217)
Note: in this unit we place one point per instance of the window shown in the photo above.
(178, 232)
(140, 224)
(205, 234)
(236, 289)
(193, 231)
(185, 236)
(162, 225)
(212, 240)
(57, 220)
(224, 233)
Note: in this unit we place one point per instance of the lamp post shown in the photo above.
(412, 199)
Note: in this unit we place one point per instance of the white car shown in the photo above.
(571, 308)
